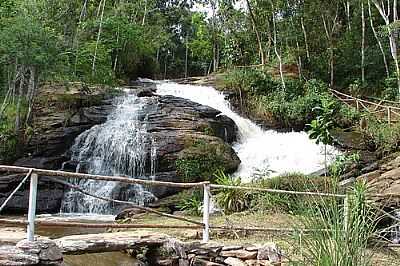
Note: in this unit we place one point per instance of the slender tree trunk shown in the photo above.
(378, 40)
(305, 38)
(329, 36)
(253, 21)
(392, 38)
(363, 44)
(117, 53)
(325, 161)
(348, 15)
(32, 92)
(165, 66)
(98, 36)
(145, 12)
(276, 48)
(186, 57)
(20, 96)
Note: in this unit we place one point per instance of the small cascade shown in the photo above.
(116, 148)
(153, 159)
(261, 151)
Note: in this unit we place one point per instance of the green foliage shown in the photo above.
(382, 137)
(192, 205)
(251, 81)
(286, 202)
(231, 200)
(342, 163)
(200, 160)
(9, 139)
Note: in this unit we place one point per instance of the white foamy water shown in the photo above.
(117, 148)
(259, 150)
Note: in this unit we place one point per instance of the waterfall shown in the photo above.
(117, 147)
(261, 151)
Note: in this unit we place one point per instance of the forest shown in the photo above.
(248, 97)
(346, 44)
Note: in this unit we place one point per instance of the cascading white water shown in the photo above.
(260, 151)
(117, 147)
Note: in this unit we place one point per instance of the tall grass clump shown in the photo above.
(331, 241)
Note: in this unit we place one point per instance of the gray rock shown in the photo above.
(269, 252)
(234, 262)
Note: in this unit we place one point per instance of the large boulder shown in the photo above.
(192, 141)
(60, 114)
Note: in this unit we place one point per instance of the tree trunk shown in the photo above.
(20, 95)
(186, 57)
(392, 38)
(378, 40)
(276, 48)
(305, 38)
(32, 85)
(98, 36)
(145, 13)
(253, 21)
(329, 36)
(363, 44)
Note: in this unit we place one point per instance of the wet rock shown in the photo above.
(191, 140)
(49, 194)
(40, 252)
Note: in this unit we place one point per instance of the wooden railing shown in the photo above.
(57, 176)
(382, 110)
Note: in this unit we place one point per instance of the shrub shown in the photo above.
(200, 160)
(286, 202)
(342, 163)
(382, 137)
(250, 80)
(8, 137)
(231, 200)
(347, 116)
(193, 204)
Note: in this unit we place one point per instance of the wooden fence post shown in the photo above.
(389, 115)
(206, 213)
(357, 104)
(32, 208)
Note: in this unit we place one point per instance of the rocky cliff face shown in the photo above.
(192, 140)
(61, 113)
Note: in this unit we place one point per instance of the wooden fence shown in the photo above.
(382, 110)
(58, 176)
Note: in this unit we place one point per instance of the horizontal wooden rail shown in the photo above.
(155, 226)
(97, 225)
(263, 229)
(363, 101)
(64, 175)
(279, 191)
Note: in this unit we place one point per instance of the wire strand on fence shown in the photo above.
(134, 206)
(279, 191)
(15, 190)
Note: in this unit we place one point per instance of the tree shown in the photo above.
(321, 126)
